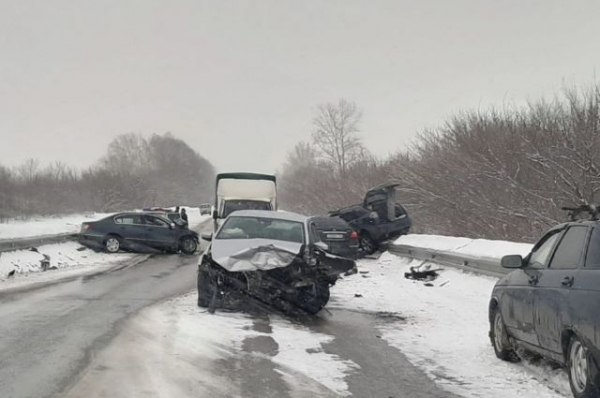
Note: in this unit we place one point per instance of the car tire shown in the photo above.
(188, 245)
(367, 244)
(314, 303)
(499, 338)
(205, 288)
(582, 370)
(112, 244)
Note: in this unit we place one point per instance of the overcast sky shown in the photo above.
(239, 80)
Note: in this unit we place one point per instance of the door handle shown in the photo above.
(568, 281)
(534, 279)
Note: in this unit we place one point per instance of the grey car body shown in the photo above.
(136, 231)
(550, 302)
(274, 257)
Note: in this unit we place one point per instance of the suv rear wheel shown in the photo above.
(366, 243)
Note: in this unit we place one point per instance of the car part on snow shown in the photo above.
(425, 275)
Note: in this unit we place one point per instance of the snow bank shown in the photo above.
(62, 255)
(40, 226)
(445, 331)
(472, 247)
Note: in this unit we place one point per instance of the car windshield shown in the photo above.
(262, 228)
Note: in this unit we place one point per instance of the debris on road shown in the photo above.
(427, 274)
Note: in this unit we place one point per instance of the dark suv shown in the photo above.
(378, 219)
(549, 304)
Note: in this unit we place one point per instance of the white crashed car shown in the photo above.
(272, 257)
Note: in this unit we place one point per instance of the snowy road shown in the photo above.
(137, 332)
(102, 336)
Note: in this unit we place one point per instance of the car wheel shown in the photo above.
(188, 245)
(499, 338)
(367, 245)
(314, 303)
(112, 244)
(205, 288)
(582, 370)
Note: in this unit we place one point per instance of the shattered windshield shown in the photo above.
(262, 228)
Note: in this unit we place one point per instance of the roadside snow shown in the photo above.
(40, 226)
(472, 247)
(446, 329)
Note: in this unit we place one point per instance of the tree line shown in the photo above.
(135, 172)
(498, 174)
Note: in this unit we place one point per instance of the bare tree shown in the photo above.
(336, 134)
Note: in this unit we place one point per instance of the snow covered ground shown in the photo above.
(467, 246)
(445, 331)
(39, 226)
(71, 255)
(62, 255)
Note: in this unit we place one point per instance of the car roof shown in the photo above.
(277, 215)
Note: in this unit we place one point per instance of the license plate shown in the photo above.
(335, 236)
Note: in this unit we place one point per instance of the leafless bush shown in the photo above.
(501, 174)
(135, 172)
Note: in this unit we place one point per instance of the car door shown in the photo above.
(518, 296)
(584, 295)
(159, 233)
(551, 295)
(130, 227)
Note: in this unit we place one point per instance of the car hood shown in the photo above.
(240, 255)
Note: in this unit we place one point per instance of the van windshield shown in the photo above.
(235, 205)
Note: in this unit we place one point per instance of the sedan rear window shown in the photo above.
(262, 228)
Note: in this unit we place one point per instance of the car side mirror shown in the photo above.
(512, 261)
(322, 246)
(207, 236)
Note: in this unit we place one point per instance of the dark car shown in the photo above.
(274, 258)
(172, 216)
(137, 231)
(378, 219)
(339, 236)
(549, 304)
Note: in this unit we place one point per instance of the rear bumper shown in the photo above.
(94, 241)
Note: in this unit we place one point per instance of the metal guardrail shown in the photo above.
(478, 265)
(7, 245)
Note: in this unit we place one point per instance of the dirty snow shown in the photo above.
(471, 247)
(446, 329)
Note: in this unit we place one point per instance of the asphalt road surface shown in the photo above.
(51, 337)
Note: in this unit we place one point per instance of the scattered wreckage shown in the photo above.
(268, 259)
